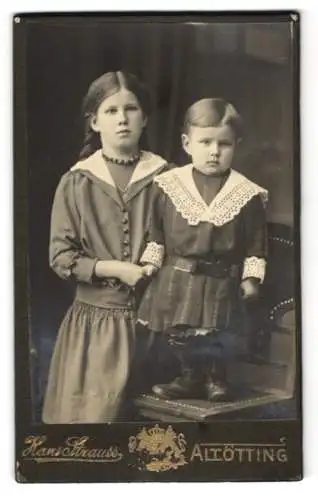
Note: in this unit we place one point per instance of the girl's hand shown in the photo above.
(125, 271)
(249, 289)
(130, 273)
(149, 269)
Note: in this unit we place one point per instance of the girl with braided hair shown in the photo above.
(100, 218)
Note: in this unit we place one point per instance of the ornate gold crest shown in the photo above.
(161, 449)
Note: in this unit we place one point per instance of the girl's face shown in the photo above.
(211, 148)
(119, 121)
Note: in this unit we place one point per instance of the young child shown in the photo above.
(209, 241)
(100, 219)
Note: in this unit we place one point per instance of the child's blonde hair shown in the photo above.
(213, 112)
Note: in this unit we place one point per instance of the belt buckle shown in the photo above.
(201, 266)
(221, 269)
(215, 269)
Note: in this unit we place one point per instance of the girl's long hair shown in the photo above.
(105, 86)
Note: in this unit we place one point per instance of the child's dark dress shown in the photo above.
(93, 220)
(208, 233)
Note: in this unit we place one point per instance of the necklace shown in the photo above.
(118, 161)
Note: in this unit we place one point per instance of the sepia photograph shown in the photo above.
(157, 192)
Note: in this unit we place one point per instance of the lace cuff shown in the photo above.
(153, 254)
(254, 267)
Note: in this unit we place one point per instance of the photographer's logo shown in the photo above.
(159, 449)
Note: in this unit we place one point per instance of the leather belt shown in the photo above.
(213, 269)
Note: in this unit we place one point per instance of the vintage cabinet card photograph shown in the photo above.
(157, 247)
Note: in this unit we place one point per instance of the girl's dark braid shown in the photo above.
(91, 141)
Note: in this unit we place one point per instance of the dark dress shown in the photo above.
(91, 221)
(227, 230)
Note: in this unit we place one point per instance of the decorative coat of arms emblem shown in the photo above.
(161, 449)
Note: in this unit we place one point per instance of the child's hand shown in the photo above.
(249, 289)
(125, 271)
(149, 269)
(130, 273)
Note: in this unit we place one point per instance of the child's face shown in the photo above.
(211, 148)
(119, 120)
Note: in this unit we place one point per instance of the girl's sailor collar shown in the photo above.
(148, 164)
(237, 191)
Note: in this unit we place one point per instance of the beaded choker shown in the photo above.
(117, 161)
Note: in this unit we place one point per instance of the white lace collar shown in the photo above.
(149, 164)
(237, 191)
